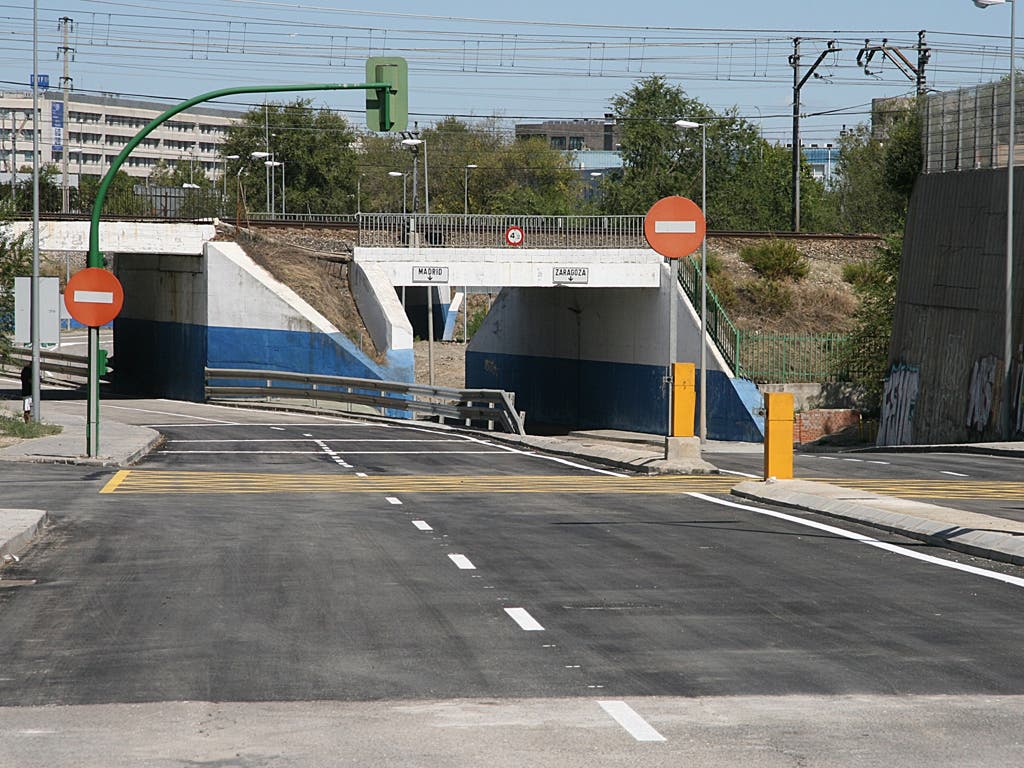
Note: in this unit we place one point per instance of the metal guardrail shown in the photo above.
(68, 369)
(471, 407)
(436, 230)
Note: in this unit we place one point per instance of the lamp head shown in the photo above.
(987, 3)
(259, 155)
(472, 165)
(690, 123)
(395, 173)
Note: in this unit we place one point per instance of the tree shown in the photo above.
(511, 176)
(120, 200)
(748, 181)
(49, 190)
(316, 147)
(15, 261)
(874, 177)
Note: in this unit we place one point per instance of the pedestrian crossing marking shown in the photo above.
(160, 481)
(135, 481)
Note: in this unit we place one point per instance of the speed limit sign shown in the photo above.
(514, 235)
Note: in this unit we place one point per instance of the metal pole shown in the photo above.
(704, 288)
(283, 192)
(1008, 425)
(795, 61)
(465, 191)
(430, 335)
(35, 210)
(65, 198)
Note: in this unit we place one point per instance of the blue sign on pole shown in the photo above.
(57, 121)
(44, 81)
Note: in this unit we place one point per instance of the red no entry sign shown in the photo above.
(674, 227)
(94, 296)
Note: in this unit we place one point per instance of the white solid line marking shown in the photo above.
(556, 459)
(954, 474)
(738, 474)
(675, 227)
(246, 453)
(393, 500)
(525, 621)
(94, 297)
(627, 717)
(215, 422)
(462, 562)
(423, 525)
(279, 429)
(361, 474)
(1014, 580)
(878, 462)
(857, 460)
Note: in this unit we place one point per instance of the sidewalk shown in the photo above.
(981, 535)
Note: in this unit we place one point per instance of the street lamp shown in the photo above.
(1008, 425)
(414, 147)
(224, 174)
(405, 186)
(686, 124)
(465, 186)
(272, 164)
(260, 155)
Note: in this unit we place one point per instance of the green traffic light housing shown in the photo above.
(387, 109)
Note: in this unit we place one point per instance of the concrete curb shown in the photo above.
(18, 527)
(990, 544)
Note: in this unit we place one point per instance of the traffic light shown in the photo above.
(101, 363)
(387, 110)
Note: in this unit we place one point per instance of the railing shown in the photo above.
(720, 328)
(66, 369)
(794, 358)
(391, 230)
(489, 408)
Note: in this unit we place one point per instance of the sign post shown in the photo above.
(94, 297)
(674, 227)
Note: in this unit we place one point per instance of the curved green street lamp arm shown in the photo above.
(95, 258)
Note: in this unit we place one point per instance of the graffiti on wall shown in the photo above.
(898, 400)
(980, 394)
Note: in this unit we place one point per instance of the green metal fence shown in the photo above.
(776, 358)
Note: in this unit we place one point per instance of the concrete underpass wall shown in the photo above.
(220, 310)
(594, 358)
(946, 355)
(160, 335)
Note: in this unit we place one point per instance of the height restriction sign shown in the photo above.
(674, 227)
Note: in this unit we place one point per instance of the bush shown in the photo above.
(858, 273)
(776, 260)
(770, 296)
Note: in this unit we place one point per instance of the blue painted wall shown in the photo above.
(162, 359)
(589, 394)
(157, 359)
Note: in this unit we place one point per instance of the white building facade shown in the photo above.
(97, 128)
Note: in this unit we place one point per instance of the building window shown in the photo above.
(576, 142)
(558, 142)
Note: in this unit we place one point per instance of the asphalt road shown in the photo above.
(279, 590)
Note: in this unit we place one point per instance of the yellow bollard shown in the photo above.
(778, 435)
(684, 398)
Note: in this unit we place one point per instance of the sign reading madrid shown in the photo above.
(430, 274)
(674, 227)
(94, 296)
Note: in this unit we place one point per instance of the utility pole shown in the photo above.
(798, 83)
(897, 57)
(66, 24)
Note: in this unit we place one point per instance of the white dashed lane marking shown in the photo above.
(525, 621)
(393, 500)
(422, 525)
(462, 562)
(628, 718)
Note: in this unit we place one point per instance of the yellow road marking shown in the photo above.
(172, 482)
(114, 483)
(158, 481)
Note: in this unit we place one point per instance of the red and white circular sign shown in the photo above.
(674, 227)
(514, 235)
(94, 296)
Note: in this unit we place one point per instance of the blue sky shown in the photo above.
(517, 61)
